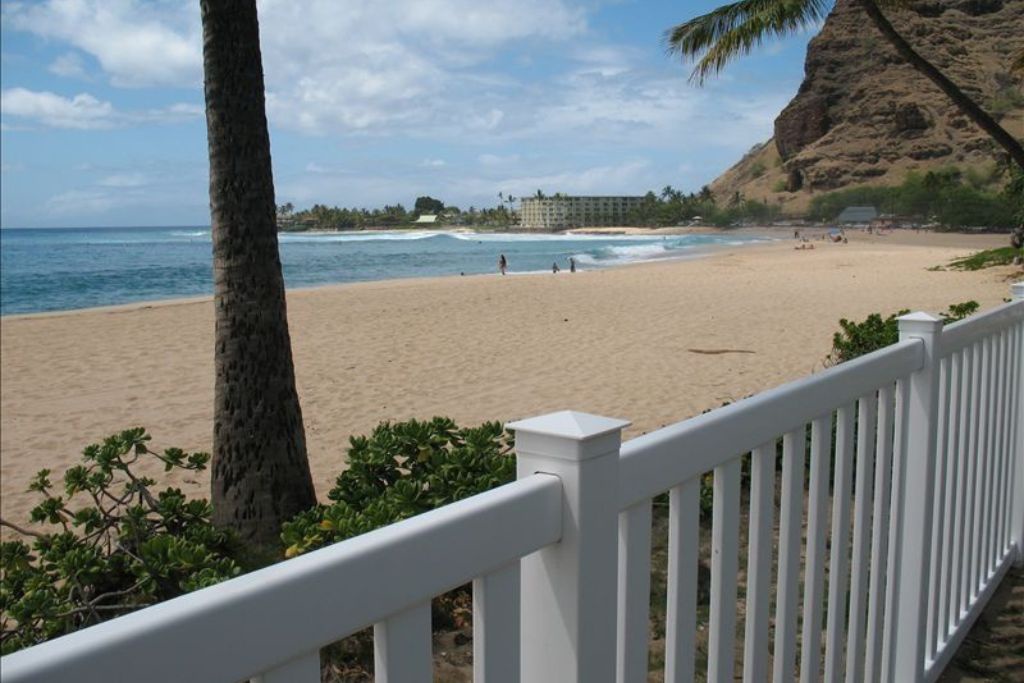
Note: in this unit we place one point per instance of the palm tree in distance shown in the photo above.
(260, 473)
(716, 38)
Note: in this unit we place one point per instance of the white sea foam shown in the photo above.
(355, 236)
(467, 236)
(544, 237)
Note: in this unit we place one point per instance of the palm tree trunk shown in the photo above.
(966, 104)
(260, 472)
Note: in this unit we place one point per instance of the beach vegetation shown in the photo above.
(106, 542)
(715, 39)
(401, 470)
(428, 205)
(855, 339)
(1005, 101)
(260, 469)
(946, 196)
(393, 217)
(1002, 256)
(672, 207)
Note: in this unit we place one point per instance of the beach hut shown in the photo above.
(426, 218)
(857, 215)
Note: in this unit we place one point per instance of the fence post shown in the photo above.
(568, 596)
(1017, 447)
(914, 531)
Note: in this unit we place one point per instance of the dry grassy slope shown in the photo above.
(862, 116)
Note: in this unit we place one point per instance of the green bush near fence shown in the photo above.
(109, 543)
(856, 339)
(401, 470)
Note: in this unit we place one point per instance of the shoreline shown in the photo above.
(641, 343)
(703, 251)
(776, 235)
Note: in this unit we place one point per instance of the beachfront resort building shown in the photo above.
(562, 211)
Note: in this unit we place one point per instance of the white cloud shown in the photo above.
(397, 66)
(632, 176)
(368, 66)
(497, 159)
(432, 163)
(123, 180)
(85, 112)
(69, 65)
(154, 188)
(416, 68)
(79, 202)
(136, 43)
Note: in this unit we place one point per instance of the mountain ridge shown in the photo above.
(862, 116)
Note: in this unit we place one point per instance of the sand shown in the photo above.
(631, 342)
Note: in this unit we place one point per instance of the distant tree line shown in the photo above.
(672, 207)
(949, 197)
(322, 217)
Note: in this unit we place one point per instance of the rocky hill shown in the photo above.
(862, 116)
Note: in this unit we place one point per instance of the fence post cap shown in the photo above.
(568, 435)
(919, 323)
(1017, 290)
(569, 424)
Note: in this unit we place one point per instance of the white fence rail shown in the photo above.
(914, 466)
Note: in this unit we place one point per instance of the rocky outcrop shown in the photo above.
(862, 115)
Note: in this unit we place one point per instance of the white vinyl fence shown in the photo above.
(909, 518)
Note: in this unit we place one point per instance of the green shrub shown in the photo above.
(402, 470)
(112, 544)
(399, 471)
(1002, 256)
(941, 195)
(857, 339)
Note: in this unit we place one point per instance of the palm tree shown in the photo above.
(260, 472)
(715, 38)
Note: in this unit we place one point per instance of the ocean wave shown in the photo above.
(356, 236)
(634, 253)
(544, 237)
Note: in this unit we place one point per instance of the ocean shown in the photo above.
(58, 269)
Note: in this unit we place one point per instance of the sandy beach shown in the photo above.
(653, 343)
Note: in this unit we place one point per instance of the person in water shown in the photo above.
(572, 265)
(502, 264)
(554, 267)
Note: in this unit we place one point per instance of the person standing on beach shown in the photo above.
(554, 267)
(572, 265)
(502, 264)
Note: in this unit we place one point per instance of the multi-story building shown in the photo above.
(559, 212)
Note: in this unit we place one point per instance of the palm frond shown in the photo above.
(716, 38)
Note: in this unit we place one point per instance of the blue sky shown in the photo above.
(369, 103)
